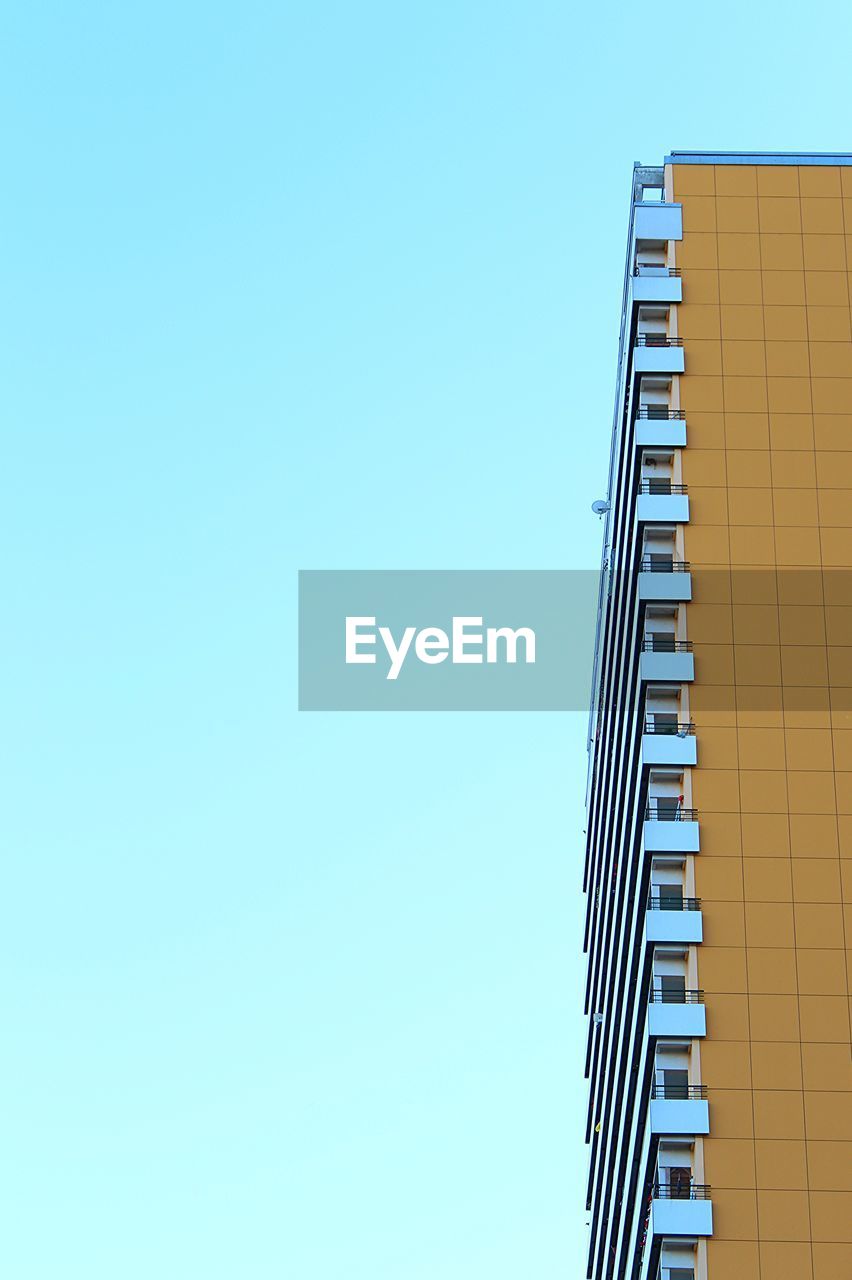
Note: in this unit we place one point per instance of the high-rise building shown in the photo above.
(719, 857)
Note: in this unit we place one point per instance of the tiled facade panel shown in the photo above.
(767, 327)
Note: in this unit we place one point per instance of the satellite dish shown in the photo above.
(600, 507)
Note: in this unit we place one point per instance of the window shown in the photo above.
(680, 1182)
(675, 1082)
(661, 641)
(659, 562)
(671, 897)
(672, 988)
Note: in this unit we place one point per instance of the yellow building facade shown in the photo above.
(766, 323)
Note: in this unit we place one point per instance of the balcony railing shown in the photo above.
(661, 902)
(660, 642)
(663, 812)
(677, 1092)
(670, 728)
(654, 269)
(661, 486)
(663, 564)
(683, 995)
(681, 1191)
(658, 412)
(657, 340)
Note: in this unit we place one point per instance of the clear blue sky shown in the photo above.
(310, 286)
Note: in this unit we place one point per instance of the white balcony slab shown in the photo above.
(664, 586)
(681, 1218)
(674, 667)
(670, 837)
(674, 926)
(680, 1115)
(665, 433)
(664, 748)
(663, 508)
(678, 1020)
(658, 221)
(657, 288)
(658, 360)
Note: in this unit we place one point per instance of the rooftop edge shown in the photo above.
(760, 157)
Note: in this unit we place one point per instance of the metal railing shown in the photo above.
(657, 340)
(656, 564)
(654, 269)
(663, 812)
(661, 486)
(670, 728)
(681, 995)
(677, 1092)
(661, 902)
(660, 412)
(660, 642)
(681, 1191)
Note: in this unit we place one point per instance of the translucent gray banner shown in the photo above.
(764, 640)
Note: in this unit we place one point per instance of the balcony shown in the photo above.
(661, 502)
(656, 284)
(657, 353)
(657, 222)
(681, 1210)
(673, 921)
(678, 1014)
(663, 658)
(657, 426)
(662, 578)
(670, 830)
(669, 742)
(678, 1109)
